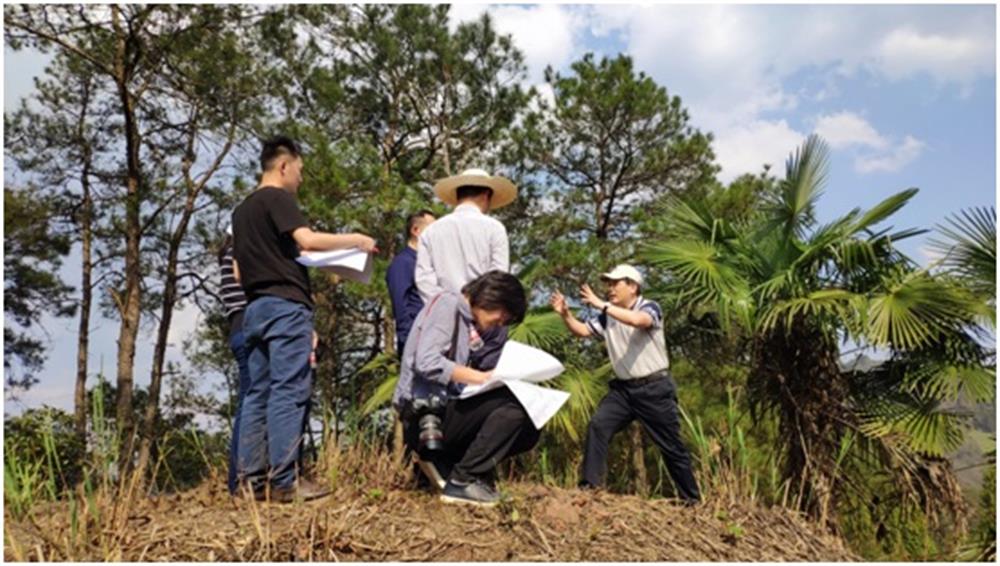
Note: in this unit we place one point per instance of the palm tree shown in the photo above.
(796, 290)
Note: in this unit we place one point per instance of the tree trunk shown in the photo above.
(799, 370)
(159, 354)
(193, 190)
(639, 459)
(86, 266)
(129, 305)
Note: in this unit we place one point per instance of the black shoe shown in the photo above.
(474, 493)
(304, 489)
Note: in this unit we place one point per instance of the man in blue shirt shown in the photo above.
(406, 301)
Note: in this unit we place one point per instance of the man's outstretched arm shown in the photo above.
(558, 302)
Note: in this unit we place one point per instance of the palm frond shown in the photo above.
(901, 401)
(949, 381)
(541, 329)
(805, 175)
(703, 277)
(923, 427)
(970, 247)
(825, 303)
(384, 361)
(381, 395)
(585, 388)
(386, 364)
(883, 210)
(911, 313)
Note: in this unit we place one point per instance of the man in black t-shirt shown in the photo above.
(268, 231)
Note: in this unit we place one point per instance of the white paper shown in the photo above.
(352, 264)
(519, 368)
(541, 403)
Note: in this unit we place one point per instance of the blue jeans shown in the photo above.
(279, 338)
(237, 343)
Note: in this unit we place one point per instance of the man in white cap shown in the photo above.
(632, 329)
(465, 244)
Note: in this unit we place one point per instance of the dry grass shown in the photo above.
(375, 515)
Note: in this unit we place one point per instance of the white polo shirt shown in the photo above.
(634, 352)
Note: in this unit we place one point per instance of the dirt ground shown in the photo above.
(537, 523)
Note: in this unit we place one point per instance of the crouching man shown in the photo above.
(632, 329)
(464, 438)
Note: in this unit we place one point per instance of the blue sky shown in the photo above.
(905, 95)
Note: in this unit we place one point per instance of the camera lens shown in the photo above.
(431, 436)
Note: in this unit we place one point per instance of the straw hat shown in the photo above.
(504, 192)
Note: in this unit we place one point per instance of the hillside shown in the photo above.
(360, 523)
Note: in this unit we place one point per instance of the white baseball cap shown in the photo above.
(623, 271)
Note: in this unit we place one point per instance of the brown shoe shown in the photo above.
(304, 489)
(245, 488)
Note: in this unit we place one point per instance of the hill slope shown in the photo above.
(371, 524)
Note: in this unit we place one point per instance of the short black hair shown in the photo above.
(498, 290)
(411, 221)
(276, 147)
(471, 191)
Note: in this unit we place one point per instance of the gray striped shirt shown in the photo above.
(233, 299)
(634, 352)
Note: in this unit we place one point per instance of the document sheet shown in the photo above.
(352, 264)
(520, 367)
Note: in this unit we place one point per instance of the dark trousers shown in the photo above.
(479, 432)
(279, 337)
(654, 403)
(237, 343)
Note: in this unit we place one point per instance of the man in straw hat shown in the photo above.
(465, 244)
(632, 329)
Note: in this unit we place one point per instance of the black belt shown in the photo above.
(639, 381)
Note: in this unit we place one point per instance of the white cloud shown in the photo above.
(845, 129)
(948, 58)
(547, 34)
(895, 160)
(747, 148)
(731, 65)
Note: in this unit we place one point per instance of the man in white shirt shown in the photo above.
(632, 329)
(465, 244)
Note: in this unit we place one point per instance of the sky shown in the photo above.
(904, 95)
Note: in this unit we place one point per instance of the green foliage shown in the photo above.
(982, 546)
(34, 246)
(792, 287)
(47, 436)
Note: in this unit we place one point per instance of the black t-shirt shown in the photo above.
(264, 248)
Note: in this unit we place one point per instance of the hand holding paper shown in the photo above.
(520, 367)
(353, 264)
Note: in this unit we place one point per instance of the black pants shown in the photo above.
(479, 432)
(654, 403)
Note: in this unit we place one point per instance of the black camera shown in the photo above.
(428, 412)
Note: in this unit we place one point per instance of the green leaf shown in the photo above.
(543, 329)
(911, 313)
